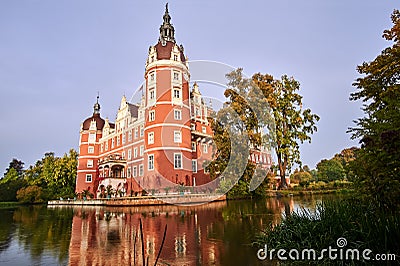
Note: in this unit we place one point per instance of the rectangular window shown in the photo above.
(177, 93)
(89, 163)
(192, 127)
(107, 145)
(135, 171)
(141, 170)
(130, 135)
(141, 131)
(177, 114)
(193, 146)
(176, 75)
(152, 115)
(175, 57)
(129, 171)
(135, 153)
(92, 138)
(194, 166)
(112, 143)
(123, 155)
(150, 138)
(177, 137)
(90, 149)
(123, 138)
(205, 148)
(141, 150)
(152, 94)
(88, 177)
(178, 160)
(117, 140)
(152, 77)
(204, 130)
(102, 147)
(136, 132)
(129, 154)
(151, 162)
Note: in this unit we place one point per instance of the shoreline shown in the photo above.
(187, 199)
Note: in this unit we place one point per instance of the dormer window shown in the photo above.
(152, 58)
(175, 57)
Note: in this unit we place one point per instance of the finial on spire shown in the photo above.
(96, 107)
(166, 29)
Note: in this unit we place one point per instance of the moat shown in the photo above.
(218, 233)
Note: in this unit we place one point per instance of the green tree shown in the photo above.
(377, 167)
(55, 175)
(236, 130)
(330, 170)
(293, 124)
(17, 165)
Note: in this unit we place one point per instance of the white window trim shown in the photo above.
(141, 167)
(134, 171)
(205, 148)
(195, 164)
(148, 162)
(150, 140)
(194, 147)
(180, 136)
(141, 150)
(152, 115)
(91, 178)
(180, 114)
(180, 154)
(90, 149)
(89, 163)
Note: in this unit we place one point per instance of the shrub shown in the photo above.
(30, 194)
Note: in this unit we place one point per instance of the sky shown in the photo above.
(56, 55)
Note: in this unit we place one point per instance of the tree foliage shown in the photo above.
(51, 177)
(377, 167)
(293, 125)
(16, 165)
(330, 170)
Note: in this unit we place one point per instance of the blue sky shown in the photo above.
(55, 55)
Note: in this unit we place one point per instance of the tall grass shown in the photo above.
(363, 225)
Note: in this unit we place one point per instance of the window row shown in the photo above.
(177, 115)
(115, 142)
(204, 147)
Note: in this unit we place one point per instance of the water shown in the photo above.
(218, 233)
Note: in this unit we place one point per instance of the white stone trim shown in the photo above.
(168, 149)
(167, 125)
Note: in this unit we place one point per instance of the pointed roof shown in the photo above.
(167, 31)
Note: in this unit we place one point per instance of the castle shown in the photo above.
(157, 143)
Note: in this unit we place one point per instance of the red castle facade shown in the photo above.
(159, 142)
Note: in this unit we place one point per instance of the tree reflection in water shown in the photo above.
(218, 233)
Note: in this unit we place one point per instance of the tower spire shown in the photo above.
(96, 107)
(167, 31)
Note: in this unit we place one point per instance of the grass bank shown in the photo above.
(291, 192)
(363, 226)
(9, 204)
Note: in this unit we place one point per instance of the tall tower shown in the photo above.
(168, 151)
(90, 133)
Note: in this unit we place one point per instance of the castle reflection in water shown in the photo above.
(211, 234)
(107, 236)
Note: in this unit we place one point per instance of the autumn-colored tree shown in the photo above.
(292, 124)
(377, 167)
